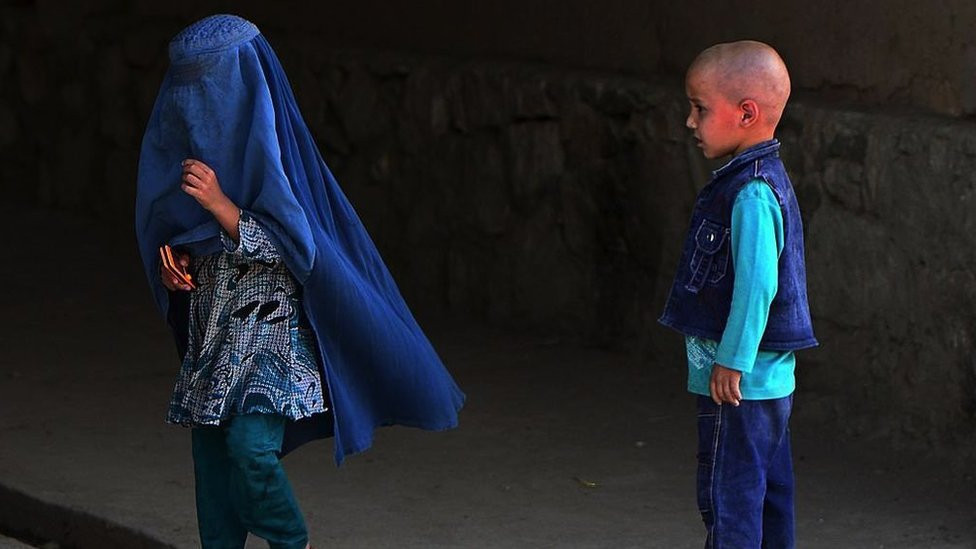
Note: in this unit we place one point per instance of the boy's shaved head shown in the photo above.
(746, 70)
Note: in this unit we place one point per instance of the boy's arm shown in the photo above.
(757, 240)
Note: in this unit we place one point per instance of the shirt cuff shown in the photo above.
(734, 361)
(229, 245)
(253, 244)
(249, 235)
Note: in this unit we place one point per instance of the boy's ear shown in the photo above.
(749, 110)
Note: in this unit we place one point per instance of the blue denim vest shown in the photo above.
(701, 295)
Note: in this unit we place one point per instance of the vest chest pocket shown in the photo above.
(710, 260)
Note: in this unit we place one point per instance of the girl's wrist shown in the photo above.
(228, 215)
(224, 206)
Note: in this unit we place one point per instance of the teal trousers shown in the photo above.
(241, 486)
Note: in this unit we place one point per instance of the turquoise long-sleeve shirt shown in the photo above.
(757, 241)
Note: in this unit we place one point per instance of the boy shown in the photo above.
(739, 297)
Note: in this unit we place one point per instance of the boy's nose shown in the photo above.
(690, 122)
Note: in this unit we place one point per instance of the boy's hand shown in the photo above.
(200, 182)
(724, 385)
(172, 283)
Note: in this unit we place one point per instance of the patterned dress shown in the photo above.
(250, 347)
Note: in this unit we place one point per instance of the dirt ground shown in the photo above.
(558, 446)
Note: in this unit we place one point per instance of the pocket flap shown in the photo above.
(710, 236)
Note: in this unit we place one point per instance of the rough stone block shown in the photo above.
(6, 59)
(537, 159)
(9, 126)
(33, 77)
(360, 108)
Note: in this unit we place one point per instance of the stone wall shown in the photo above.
(555, 200)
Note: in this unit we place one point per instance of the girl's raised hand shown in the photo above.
(200, 182)
(172, 283)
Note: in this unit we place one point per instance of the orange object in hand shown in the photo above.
(174, 267)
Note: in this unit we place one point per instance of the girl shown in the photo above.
(293, 328)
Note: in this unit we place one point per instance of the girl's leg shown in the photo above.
(220, 527)
(267, 507)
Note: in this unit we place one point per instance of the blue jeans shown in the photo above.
(241, 486)
(745, 474)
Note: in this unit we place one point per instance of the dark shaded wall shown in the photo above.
(77, 78)
(875, 52)
(557, 200)
(917, 55)
(503, 182)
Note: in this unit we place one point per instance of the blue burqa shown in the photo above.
(225, 100)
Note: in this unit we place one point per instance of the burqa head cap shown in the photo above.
(210, 35)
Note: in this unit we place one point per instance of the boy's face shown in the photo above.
(714, 119)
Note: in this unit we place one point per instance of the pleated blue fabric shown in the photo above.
(225, 100)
